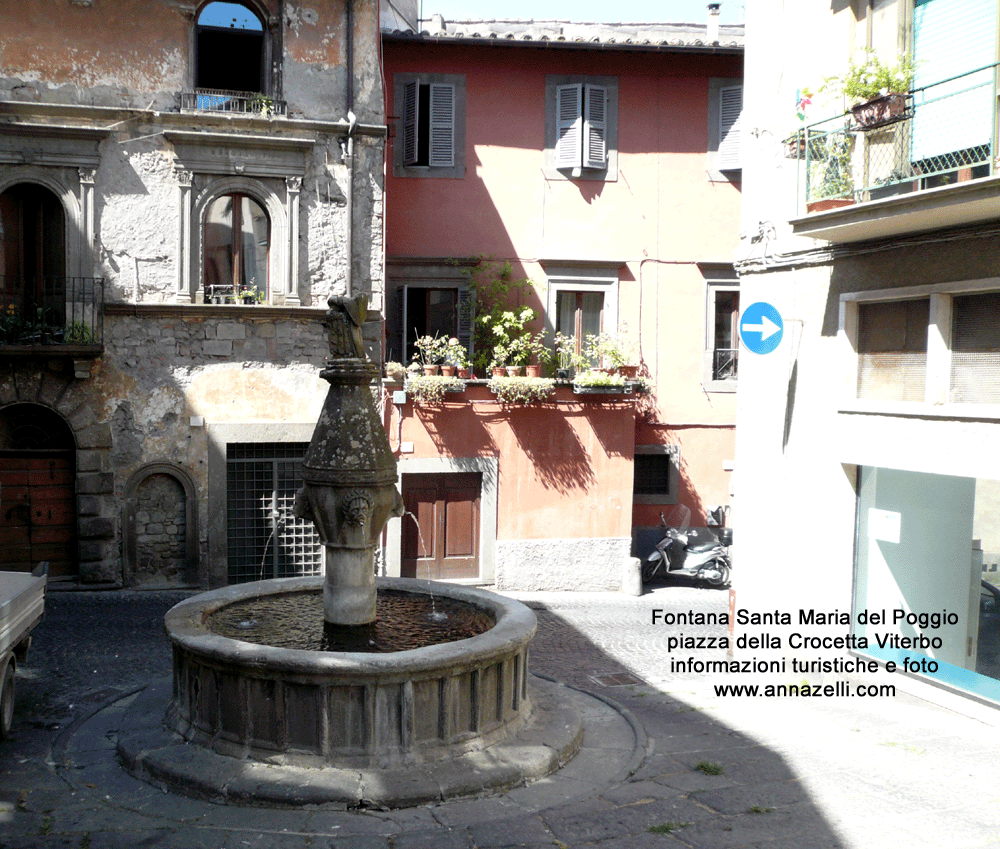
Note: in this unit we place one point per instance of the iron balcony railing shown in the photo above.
(242, 102)
(52, 311)
(724, 363)
(933, 136)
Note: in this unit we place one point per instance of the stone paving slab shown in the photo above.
(821, 774)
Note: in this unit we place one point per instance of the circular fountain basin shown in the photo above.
(352, 710)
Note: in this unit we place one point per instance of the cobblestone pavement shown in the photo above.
(702, 771)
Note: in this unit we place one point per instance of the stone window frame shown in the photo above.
(129, 541)
(489, 467)
(672, 496)
(454, 171)
(599, 277)
(717, 279)
(77, 206)
(279, 273)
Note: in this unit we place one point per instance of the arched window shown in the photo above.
(33, 251)
(237, 236)
(230, 48)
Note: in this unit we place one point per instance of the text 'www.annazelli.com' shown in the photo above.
(839, 689)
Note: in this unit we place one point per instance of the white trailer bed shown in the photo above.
(22, 604)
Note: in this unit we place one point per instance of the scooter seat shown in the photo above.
(700, 539)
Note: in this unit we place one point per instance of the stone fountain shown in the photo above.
(282, 725)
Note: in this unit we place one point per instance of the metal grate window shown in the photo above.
(975, 349)
(892, 350)
(265, 539)
(652, 474)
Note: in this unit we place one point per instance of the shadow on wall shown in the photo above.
(560, 459)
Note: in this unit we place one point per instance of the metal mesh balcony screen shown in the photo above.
(265, 539)
(892, 350)
(975, 349)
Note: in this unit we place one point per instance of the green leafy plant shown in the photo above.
(758, 809)
(431, 350)
(594, 378)
(251, 293)
(522, 390)
(431, 389)
(709, 768)
(832, 156)
(395, 371)
(666, 827)
(456, 353)
(610, 350)
(566, 356)
(500, 320)
(871, 77)
(79, 333)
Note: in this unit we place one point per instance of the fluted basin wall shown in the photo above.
(345, 709)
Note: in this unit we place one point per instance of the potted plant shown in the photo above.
(430, 389)
(395, 372)
(833, 185)
(521, 390)
(593, 381)
(251, 295)
(877, 91)
(456, 356)
(431, 352)
(567, 358)
(611, 351)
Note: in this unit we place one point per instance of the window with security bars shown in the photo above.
(892, 349)
(655, 475)
(975, 349)
(265, 539)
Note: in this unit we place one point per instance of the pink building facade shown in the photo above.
(603, 164)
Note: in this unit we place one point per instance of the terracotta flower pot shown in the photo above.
(431, 369)
(499, 371)
(514, 371)
(465, 373)
(533, 370)
(448, 371)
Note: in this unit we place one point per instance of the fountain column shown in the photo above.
(349, 471)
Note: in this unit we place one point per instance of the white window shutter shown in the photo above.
(730, 114)
(442, 125)
(569, 126)
(411, 93)
(595, 141)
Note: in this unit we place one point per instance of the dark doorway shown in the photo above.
(443, 541)
(37, 491)
(33, 247)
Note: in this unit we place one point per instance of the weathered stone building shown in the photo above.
(182, 185)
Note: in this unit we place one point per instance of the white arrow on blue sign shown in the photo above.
(761, 328)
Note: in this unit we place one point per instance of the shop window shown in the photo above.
(230, 49)
(430, 135)
(236, 244)
(927, 554)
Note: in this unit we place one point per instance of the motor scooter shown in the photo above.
(692, 552)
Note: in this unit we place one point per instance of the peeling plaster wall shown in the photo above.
(133, 200)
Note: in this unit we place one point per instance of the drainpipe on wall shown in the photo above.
(348, 156)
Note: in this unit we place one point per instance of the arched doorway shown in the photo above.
(37, 490)
(237, 238)
(33, 252)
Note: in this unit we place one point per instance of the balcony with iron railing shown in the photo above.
(52, 314)
(232, 102)
(901, 163)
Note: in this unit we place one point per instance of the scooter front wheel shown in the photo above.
(721, 578)
(649, 569)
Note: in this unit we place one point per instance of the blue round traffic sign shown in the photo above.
(761, 328)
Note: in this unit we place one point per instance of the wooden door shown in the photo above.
(37, 511)
(441, 528)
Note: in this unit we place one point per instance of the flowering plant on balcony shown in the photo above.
(871, 78)
(522, 390)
